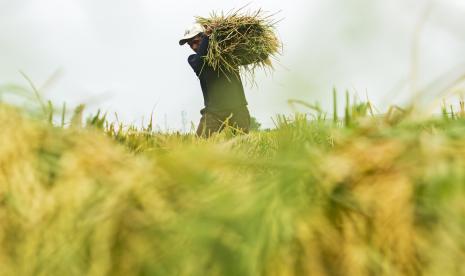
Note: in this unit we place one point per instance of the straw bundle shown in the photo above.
(241, 40)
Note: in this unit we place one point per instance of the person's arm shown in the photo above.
(197, 60)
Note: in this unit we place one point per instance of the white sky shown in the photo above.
(122, 55)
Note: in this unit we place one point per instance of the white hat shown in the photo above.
(193, 31)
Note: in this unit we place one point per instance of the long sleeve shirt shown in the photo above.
(221, 91)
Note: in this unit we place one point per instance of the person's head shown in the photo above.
(194, 42)
(192, 36)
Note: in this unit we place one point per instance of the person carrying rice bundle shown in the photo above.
(224, 45)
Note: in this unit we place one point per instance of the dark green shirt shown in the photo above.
(221, 91)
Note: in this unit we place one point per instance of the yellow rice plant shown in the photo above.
(308, 198)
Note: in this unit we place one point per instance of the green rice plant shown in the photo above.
(241, 40)
(308, 197)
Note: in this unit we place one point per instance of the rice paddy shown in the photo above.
(360, 195)
(241, 41)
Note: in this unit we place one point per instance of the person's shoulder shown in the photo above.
(191, 59)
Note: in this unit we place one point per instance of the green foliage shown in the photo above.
(254, 124)
(373, 196)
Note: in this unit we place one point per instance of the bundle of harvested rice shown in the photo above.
(241, 40)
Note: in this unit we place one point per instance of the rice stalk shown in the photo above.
(241, 42)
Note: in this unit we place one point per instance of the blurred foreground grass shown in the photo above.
(370, 196)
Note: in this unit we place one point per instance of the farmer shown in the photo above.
(223, 93)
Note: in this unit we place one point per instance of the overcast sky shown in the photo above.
(123, 55)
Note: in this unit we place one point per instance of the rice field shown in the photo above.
(358, 195)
